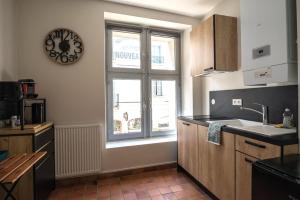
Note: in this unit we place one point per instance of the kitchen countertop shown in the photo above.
(281, 140)
(29, 129)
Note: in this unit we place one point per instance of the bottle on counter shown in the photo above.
(287, 118)
(13, 121)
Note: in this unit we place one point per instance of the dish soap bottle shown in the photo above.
(287, 118)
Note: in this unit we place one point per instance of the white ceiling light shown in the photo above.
(194, 8)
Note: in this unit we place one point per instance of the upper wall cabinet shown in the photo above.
(268, 41)
(214, 45)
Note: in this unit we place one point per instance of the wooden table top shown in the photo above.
(16, 166)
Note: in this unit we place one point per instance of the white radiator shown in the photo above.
(77, 150)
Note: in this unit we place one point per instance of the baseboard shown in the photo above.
(137, 170)
(137, 167)
(75, 180)
(58, 178)
(113, 174)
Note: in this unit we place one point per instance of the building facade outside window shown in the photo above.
(143, 81)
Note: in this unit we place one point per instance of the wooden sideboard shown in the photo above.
(40, 181)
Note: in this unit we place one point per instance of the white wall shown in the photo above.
(138, 156)
(8, 41)
(76, 93)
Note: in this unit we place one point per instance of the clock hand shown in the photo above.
(62, 35)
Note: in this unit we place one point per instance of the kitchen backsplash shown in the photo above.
(276, 98)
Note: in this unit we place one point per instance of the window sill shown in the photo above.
(137, 142)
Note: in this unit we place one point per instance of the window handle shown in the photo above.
(144, 106)
(150, 104)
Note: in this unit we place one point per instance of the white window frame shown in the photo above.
(145, 74)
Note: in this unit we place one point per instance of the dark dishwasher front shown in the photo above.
(271, 184)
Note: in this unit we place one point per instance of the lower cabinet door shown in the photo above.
(181, 143)
(188, 147)
(243, 176)
(217, 165)
(221, 163)
(204, 169)
(44, 178)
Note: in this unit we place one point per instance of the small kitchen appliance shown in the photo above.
(10, 94)
(28, 88)
(38, 113)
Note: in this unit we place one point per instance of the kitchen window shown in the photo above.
(143, 81)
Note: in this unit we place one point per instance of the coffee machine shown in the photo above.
(10, 94)
(18, 98)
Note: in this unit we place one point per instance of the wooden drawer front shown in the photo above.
(243, 176)
(43, 138)
(255, 148)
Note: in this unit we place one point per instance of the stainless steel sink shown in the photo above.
(256, 127)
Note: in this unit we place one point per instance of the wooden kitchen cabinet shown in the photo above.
(40, 181)
(255, 148)
(202, 42)
(247, 151)
(262, 150)
(188, 147)
(217, 164)
(214, 45)
(243, 176)
(226, 169)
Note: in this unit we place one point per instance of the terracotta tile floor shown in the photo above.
(157, 185)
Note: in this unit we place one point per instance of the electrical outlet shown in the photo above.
(237, 102)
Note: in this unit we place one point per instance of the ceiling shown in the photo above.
(193, 8)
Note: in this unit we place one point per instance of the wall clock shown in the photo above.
(63, 46)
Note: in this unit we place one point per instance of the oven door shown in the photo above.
(270, 184)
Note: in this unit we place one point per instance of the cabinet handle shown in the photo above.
(249, 161)
(255, 144)
(208, 69)
(187, 124)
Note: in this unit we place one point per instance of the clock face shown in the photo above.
(63, 46)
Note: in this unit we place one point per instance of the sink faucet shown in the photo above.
(264, 113)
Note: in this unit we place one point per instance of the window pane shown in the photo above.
(163, 105)
(125, 50)
(162, 53)
(126, 106)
